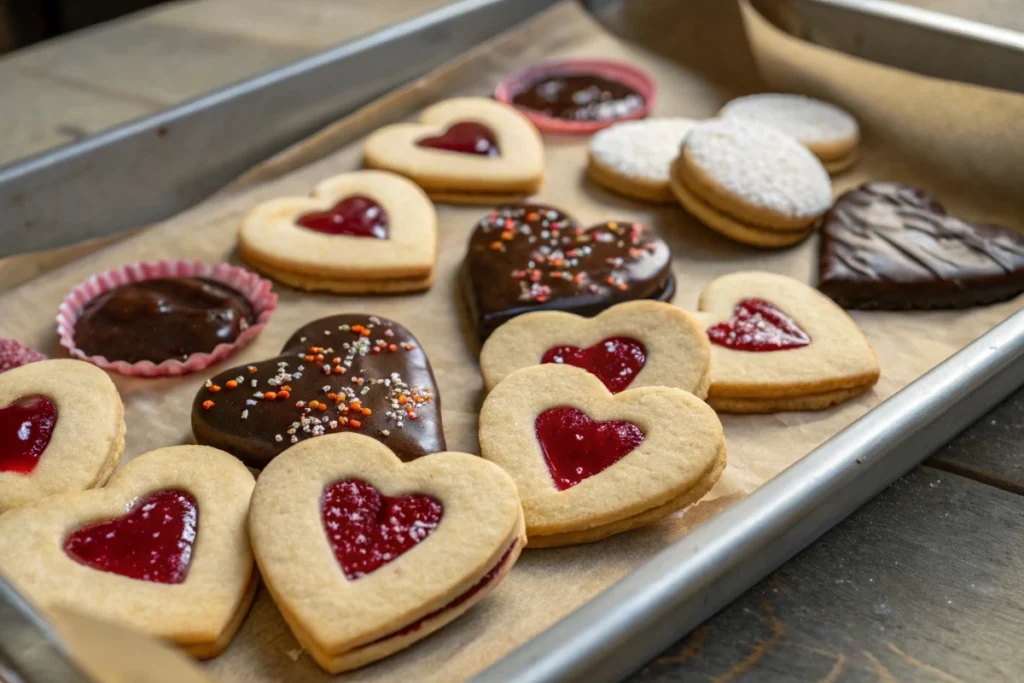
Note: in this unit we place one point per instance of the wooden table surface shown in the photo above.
(923, 583)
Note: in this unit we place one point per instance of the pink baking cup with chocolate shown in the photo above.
(579, 96)
(164, 318)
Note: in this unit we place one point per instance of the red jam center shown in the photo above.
(465, 138)
(153, 542)
(26, 426)
(356, 216)
(615, 361)
(367, 530)
(576, 447)
(757, 325)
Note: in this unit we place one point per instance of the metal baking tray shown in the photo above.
(154, 167)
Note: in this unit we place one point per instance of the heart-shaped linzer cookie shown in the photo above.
(365, 555)
(467, 150)
(531, 257)
(161, 549)
(61, 430)
(893, 246)
(777, 344)
(631, 345)
(348, 372)
(589, 464)
(366, 231)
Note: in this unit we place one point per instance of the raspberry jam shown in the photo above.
(367, 530)
(758, 325)
(576, 447)
(153, 542)
(355, 216)
(464, 137)
(615, 361)
(26, 426)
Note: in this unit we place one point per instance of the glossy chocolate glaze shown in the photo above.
(160, 319)
(531, 257)
(892, 246)
(245, 423)
(580, 97)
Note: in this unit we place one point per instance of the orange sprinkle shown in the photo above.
(327, 371)
(308, 359)
(532, 216)
(286, 387)
(214, 388)
(333, 396)
(495, 246)
(367, 412)
(270, 395)
(412, 415)
(319, 358)
(355, 424)
(336, 360)
(321, 407)
(253, 369)
(403, 399)
(355, 405)
(339, 370)
(409, 346)
(314, 404)
(231, 384)
(357, 328)
(392, 347)
(359, 381)
(208, 404)
(364, 332)
(316, 349)
(418, 399)
(284, 395)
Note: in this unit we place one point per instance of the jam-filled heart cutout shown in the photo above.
(152, 542)
(367, 529)
(615, 361)
(355, 216)
(464, 137)
(528, 257)
(758, 325)
(26, 427)
(575, 447)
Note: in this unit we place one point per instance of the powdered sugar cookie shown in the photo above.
(631, 345)
(61, 430)
(161, 549)
(365, 555)
(828, 131)
(778, 344)
(366, 231)
(589, 464)
(634, 158)
(468, 150)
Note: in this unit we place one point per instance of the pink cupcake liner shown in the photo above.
(252, 286)
(617, 71)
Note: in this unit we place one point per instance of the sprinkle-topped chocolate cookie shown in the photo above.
(526, 257)
(349, 372)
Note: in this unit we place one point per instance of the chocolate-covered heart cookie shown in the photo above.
(892, 246)
(348, 372)
(530, 257)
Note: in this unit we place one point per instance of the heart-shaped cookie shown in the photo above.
(893, 246)
(467, 150)
(531, 257)
(589, 464)
(162, 548)
(61, 430)
(348, 372)
(366, 231)
(777, 344)
(631, 345)
(365, 555)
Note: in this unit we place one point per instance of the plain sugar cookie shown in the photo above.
(634, 158)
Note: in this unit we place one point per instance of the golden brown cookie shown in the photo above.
(365, 555)
(589, 464)
(61, 430)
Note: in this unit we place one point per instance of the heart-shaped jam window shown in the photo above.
(26, 427)
(465, 137)
(758, 325)
(153, 542)
(615, 361)
(355, 216)
(367, 529)
(576, 447)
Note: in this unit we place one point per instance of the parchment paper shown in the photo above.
(699, 62)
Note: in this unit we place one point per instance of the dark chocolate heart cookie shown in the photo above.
(892, 246)
(530, 257)
(349, 372)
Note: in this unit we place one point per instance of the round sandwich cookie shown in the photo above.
(630, 345)
(161, 549)
(467, 150)
(365, 555)
(779, 345)
(750, 182)
(365, 232)
(61, 430)
(634, 158)
(828, 131)
(588, 463)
